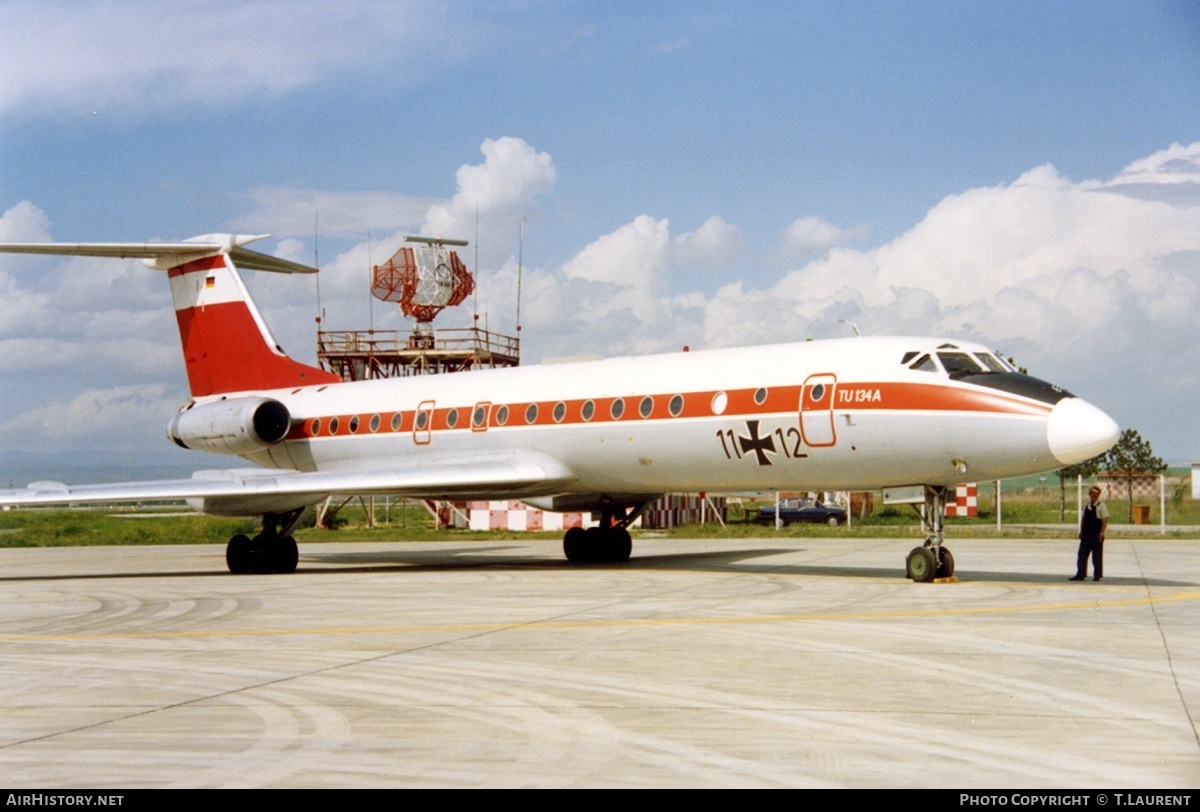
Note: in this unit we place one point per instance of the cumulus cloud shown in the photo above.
(629, 260)
(1063, 243)
(118, 417)
(810, 235)
(627, 257)
(77, 320)
(138, 56)
(24, 222)
(1176, 166)
(512, 174)
(715, 243)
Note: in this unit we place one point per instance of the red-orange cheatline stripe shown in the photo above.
(740, 402)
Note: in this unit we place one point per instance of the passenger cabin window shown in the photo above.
(617, 409)
(502, 415)
(531, 413)
(396, 420)
(589, 410)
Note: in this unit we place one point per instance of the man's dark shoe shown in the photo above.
(1077, 578)
(1098, 577)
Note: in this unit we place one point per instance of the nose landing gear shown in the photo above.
(931, 561)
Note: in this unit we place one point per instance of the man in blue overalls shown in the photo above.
(1092, 525)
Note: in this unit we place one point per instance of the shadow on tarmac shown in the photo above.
(479, 557)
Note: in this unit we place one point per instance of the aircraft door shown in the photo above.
(816, 410)
(480, 415)
(423, 422)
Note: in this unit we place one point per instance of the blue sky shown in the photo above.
(710, 174)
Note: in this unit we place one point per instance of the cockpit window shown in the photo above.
(991, 362)
(958, 362)
(908, 356)
(924, 364)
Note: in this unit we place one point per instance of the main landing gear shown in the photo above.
(931, 561)
(608, 543)
(272, 550)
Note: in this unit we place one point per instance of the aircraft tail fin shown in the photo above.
(227, 346)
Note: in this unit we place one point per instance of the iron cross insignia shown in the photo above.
(759, 445)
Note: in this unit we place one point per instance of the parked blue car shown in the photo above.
(802, 510)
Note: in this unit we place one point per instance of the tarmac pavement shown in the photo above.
(791, 662)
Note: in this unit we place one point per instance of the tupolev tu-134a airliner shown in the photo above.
(607, 436)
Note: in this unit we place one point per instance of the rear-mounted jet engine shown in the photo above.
(237, 426)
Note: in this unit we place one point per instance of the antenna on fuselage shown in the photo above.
(852, 325)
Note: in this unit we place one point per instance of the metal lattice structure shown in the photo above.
(423, 280)
(358, 355)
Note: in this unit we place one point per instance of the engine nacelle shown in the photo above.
(237, 426)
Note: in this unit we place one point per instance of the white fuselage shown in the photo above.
(822, 415)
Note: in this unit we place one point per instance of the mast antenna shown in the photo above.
(520, 267)
(317, 260)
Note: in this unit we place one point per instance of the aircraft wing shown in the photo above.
(246, 491)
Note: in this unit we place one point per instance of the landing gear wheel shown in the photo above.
(620, 545)
(609, 542)
(921, 565)
(237, 554)
(574, 545)
(594, 544)
(261, 548)
(945, 567)
(284, 555)
(597, 545)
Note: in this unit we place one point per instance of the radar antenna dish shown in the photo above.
(423, 279)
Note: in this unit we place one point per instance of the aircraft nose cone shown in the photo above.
(1077, 431)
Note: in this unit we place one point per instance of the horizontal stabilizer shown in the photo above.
(166, 255)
